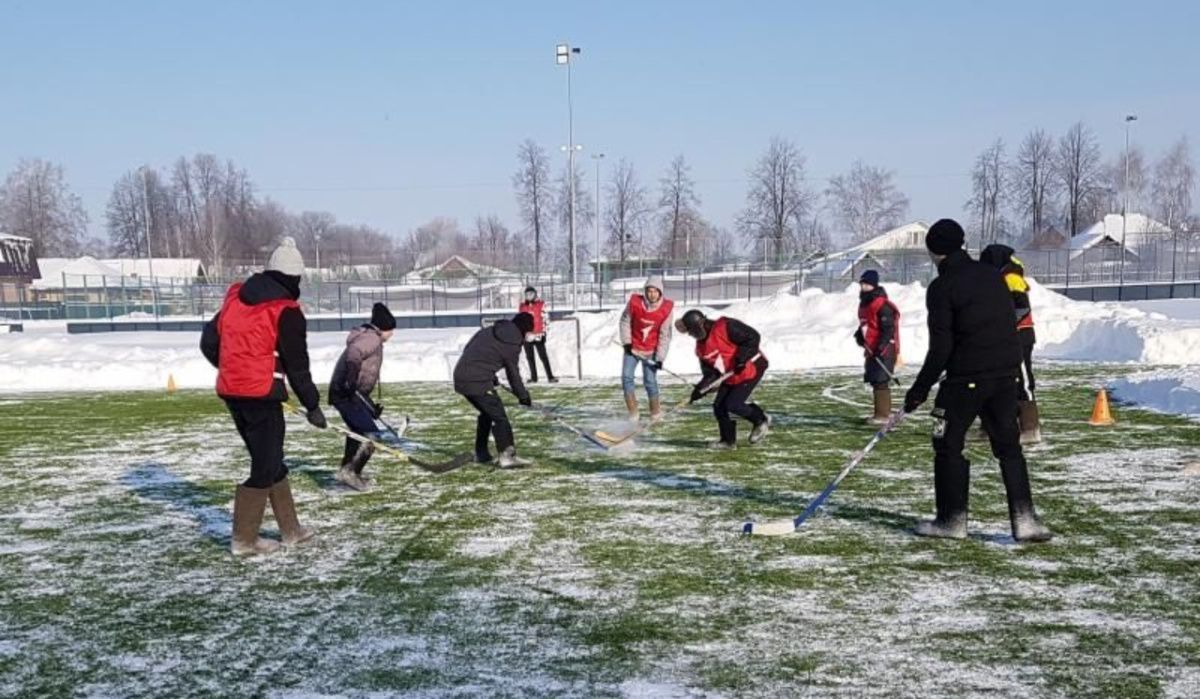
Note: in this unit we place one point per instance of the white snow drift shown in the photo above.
(810, 330)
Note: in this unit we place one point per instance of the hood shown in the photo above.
(356, 333)
(996, 255)
(654, 281)
(269, 286)
(869, 296)
(507, 332)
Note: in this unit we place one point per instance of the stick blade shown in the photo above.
(610, 438)
(457, 462)
(779, 527)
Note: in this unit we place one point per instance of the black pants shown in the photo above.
(1028, 385)
(261, 425)
(541, 350)
(994, 401)
(876, 375)
(492, 419)
(736, 399)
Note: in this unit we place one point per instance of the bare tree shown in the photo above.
(1174, 179)
(777, 202)
(313, 231)
(495, 245)
(627, 208)
(866, 201)
(678, 204)
(723, 248)
(535, 196)
(1033, 185)
(36, 203)
(989, 186)
(1077, 168)
(1113, 186)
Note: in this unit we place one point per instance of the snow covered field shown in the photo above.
(593, 574)
(809, 331)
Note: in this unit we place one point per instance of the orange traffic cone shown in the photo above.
(1101, 415)
(171, 387)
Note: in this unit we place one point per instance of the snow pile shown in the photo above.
(806, 331)
(1174, 391)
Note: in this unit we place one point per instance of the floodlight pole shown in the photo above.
(562, 56)
(599, 274)
(1125, 209)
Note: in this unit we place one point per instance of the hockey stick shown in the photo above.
(548, 413)
(380, 422)
(661, 367)
(787, 526)
(433, 467)
(613, 441)
(883, 366)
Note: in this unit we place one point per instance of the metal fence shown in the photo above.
(110, 298)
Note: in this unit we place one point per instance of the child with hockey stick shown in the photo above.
(724, 345)
(879, 335)
(489, 351)
(354, 378)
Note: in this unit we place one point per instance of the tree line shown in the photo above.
(208, 208)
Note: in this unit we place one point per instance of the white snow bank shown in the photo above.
(811, 330)
(1175, 391)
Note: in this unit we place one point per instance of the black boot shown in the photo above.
(951, 484)
(1026, 525)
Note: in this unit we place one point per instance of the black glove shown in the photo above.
(914, 398)
(526, 401)
(316, 418)
(739, 365)
(378, 410)
(628, 349)
(654, 364)
(697, 394)
(858, 337)
(495, 380)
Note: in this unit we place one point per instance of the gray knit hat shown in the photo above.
(286, 259)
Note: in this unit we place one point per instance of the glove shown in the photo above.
(654, 363)
(913, 399)
(378, 410)
(495, 380)
(697, 394)
(858, 337)
(628, 349)
(739, 365)
(316, 418)
(526, 401)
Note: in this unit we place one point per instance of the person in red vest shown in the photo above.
(728, 345)
(879, 335)
(258, 338)
(646, 336)
(536, 339)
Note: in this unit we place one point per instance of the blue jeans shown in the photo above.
(649, 375)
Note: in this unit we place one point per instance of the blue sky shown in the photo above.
(393, 113)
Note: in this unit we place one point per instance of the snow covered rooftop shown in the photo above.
(163, 267)
(1139, 230)
(75, 269)
(910, 236)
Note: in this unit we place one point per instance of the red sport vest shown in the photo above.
(868, 320)
(718, 351)
(645, 325)
(248, 363)
(534, 308)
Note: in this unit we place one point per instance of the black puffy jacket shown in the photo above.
(971, 330)
(489, 351)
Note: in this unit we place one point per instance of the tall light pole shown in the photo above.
(599, 270)
(562, 57)
(1129, 118)
(146, 216)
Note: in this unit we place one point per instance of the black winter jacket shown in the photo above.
(971, 330)
(489, 351)
(292, 342)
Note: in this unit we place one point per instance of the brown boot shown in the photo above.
(285, 514)
(883, 406)
(1031, 423)
(631, 405)
(655, 409)
(248, 507)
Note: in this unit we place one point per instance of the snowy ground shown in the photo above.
(812, 330)
(594, 574)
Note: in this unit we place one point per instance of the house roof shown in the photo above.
(1139, 230)
(910, 236)
(164, 267)
(458, 263)
(75, 269)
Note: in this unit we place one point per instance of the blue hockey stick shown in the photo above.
(787, 526)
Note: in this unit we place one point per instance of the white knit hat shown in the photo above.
(286, 259)
(654, 281)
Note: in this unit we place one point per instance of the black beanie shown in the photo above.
(382, 318)
(524, 322)
(945, 237)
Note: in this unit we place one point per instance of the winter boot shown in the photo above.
(553, 379)
(248, 507)
(285, 515)
(1031, 423)
(509, 459)
(631, 406)
(1026, 525)
(883, 406)
(347, 477)
(719, 445)
(954, 529)
(759, 433)
(655, 409)
(1029, 529)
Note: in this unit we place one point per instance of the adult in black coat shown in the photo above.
(489, 351)
(973, 340)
